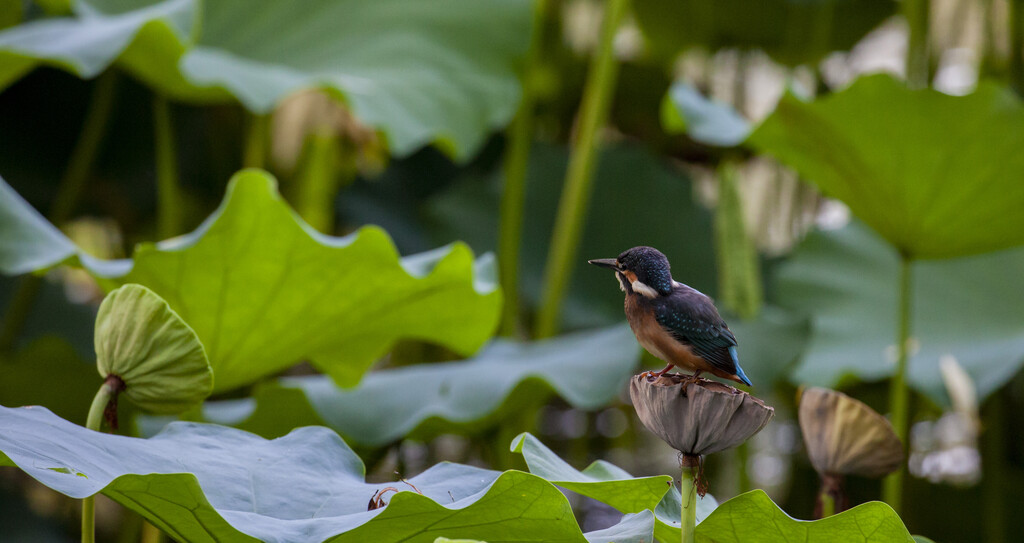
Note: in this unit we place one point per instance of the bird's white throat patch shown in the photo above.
(642, 288)
(622, 281)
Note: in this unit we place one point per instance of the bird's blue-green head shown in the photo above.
(641, 270)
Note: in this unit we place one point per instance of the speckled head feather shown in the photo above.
(650, 266)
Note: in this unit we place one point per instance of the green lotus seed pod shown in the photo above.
(141, 340)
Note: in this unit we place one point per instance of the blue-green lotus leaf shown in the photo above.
(420, 72)
(847, 281)
(206, 483)
(587, 369)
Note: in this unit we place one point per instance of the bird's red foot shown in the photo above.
(652, 375)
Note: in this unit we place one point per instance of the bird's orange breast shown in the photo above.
(659, 342)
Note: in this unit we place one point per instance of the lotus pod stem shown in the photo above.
(105, 396)
(688, 493)
(831, 497)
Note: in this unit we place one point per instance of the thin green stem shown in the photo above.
(688, 492)
(108, 390)
(899, 395)
(516, 165)
(739, 275)
(83, 156)
(256, 141)
(319, 177)
(994, 453)
(918, 16)
(170, 202)
(572, 209)
(152, 534)
(1016, 8)
(827, 503)
(69, 192)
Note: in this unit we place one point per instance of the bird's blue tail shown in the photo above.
(739, 370)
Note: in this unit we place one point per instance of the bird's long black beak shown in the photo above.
(609, 263)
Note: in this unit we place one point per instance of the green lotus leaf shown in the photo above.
(141, 340)
(603, 481)
(610, 484)
(421, 72)
(205, 483)
(631, 529)
(793, 32)
(937, 176)
(753, 516)
(847, 281)
(264, 291)
(586, 369)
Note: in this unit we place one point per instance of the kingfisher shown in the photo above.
(673, 321)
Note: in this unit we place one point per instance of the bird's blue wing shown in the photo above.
(692, 319)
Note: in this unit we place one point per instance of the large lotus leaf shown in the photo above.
(614, 486)
(586, 369)
(202, 482)
(792, 31)
(29, 242)
(32, 244)
(440, 71)
(753, 516)
(89, 42)
(847, 281)
(263, 290)
(936, 175)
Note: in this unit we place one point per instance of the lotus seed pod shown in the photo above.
(697, 417)
(846, 437)
(161, 361)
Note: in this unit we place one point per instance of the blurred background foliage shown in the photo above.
(860, 231)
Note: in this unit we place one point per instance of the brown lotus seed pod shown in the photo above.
(844, 436)
(697, 416)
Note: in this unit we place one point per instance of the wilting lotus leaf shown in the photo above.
(140, 339)
(699, 417)
(846, 437)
